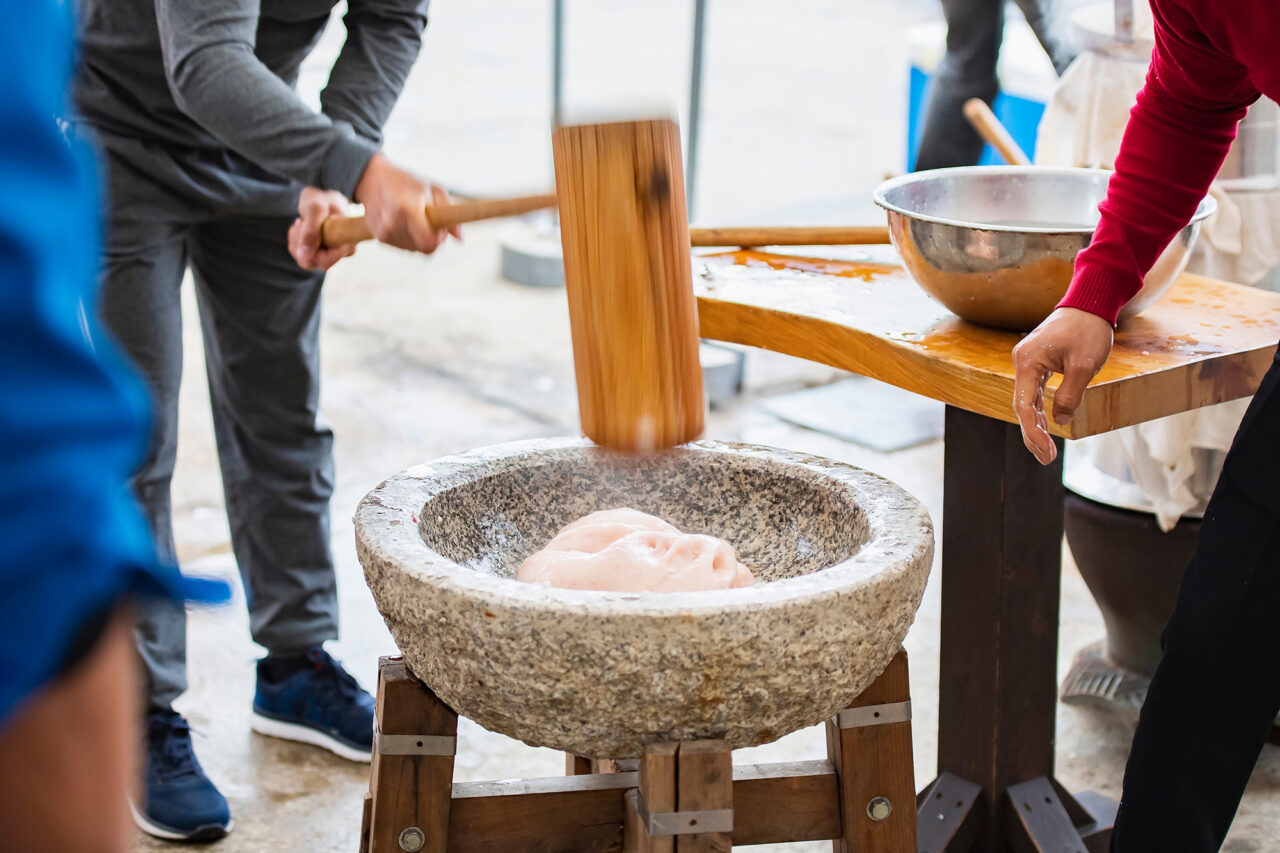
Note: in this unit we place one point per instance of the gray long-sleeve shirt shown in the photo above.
(208, 74)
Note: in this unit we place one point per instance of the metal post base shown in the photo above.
(531, 253)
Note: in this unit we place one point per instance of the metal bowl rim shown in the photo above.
(1205, 209)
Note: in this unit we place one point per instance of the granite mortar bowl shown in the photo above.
(997, 245)
(841, 556)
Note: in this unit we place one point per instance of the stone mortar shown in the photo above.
(841, 556)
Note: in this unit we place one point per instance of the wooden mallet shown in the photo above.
(349, 230)
(628, 275)
(634, 319)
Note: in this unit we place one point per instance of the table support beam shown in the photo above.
(1002, 560)
(947, 815)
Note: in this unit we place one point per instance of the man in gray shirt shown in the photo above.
(213, 162)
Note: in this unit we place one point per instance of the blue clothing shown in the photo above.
(72, 418)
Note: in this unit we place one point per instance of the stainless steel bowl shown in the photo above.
(997, 244)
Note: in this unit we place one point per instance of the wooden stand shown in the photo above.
(677, 798)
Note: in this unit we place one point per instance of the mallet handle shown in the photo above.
(345, 230)
(800, 236)
(989, 127)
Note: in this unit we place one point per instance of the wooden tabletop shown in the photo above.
(1205, 342)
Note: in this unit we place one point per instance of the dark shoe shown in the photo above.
(319, 704)
(179, 802)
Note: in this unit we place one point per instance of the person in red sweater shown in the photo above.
(1217, 689)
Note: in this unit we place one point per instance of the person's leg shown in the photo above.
(144, 259)
(1051, 30)
(1217, 688)
(140, 306)
(260, 314)
(968, 70)
(261, 318)
(65, 773)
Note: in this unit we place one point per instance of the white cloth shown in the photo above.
(1242, 241)
(1161, 460)
(1082, 126)
(1085, 119)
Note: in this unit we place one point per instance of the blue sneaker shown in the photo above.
(179, 802)
(319, 704)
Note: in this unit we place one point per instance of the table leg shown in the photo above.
(1001, 571)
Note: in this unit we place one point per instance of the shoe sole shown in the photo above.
(299, 733)
(201, 834)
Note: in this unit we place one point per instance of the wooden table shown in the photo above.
(1206, 342)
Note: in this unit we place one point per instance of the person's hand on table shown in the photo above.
(314, 207)
(395, 207)
(1072, 342)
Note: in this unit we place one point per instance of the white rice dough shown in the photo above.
(625, 550)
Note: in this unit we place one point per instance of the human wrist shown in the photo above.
(1098, 291)
(346, 164)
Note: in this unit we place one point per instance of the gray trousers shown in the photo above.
(260, 317)
(975, 29)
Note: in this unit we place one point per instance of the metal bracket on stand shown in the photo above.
(874, 715)
(662, 824)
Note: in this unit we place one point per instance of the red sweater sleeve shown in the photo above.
(1177, 137)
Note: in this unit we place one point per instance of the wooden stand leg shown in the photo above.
(411, 776)
(365, 818)
(579, 765)
(682, 787)
(870, 746)
(705, 785)
(656, 794)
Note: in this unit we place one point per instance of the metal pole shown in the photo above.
(557, 62)
(695, 103)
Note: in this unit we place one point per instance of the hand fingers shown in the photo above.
(326, 258)
(423, 236)
(313, 207)
(440, 196)
(1075, 376)
(304, 246)
(1045, 445)
(1029, 377)
(337, 204)
(302, 251)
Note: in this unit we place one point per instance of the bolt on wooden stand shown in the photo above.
(680, 798)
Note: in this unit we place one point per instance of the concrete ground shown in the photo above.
(803, 114)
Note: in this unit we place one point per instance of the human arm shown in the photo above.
(218, 81)
(70, 751)
(383, 41)
(215, 77)
(1178, 135)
